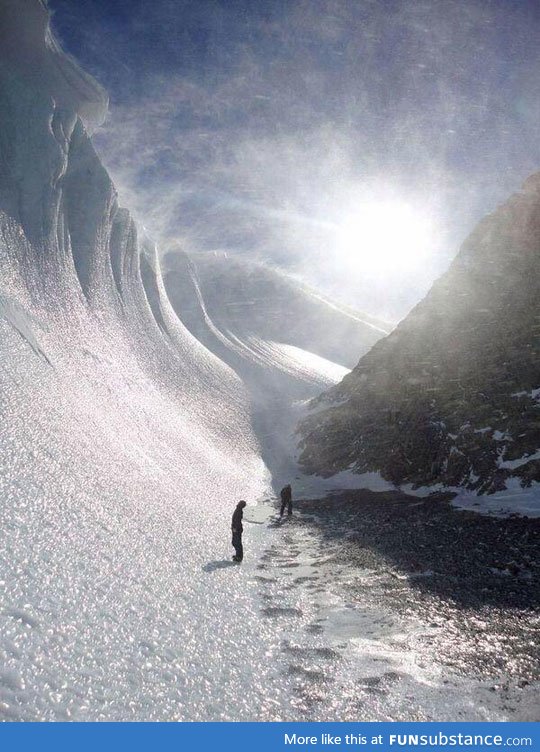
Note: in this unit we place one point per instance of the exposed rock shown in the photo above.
(451, 395)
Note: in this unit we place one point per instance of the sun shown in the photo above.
(384, 237)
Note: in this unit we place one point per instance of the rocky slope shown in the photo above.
(452, 395)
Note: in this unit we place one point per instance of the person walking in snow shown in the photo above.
(237, 530)
(286, 500)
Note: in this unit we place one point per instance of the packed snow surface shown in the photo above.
(513, 500)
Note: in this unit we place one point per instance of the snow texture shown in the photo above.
(514, 500)
(125, 441)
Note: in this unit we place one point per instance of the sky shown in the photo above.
(354, 143)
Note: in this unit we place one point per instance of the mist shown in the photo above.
(262, 129)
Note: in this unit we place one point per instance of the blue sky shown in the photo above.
(254, 127)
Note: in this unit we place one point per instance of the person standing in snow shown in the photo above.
(237, 530)
(286, 500)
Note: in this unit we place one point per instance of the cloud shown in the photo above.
(272, 122)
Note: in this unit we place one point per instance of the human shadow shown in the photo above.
(212, 566)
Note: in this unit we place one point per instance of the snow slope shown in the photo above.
(110, 463)
(284, 341)
(125, 441)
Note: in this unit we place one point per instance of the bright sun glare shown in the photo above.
(384, 237)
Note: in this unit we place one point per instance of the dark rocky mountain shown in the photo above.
(452, 395)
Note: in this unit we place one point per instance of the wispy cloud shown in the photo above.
(255, 129)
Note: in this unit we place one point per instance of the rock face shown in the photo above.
(452, 395)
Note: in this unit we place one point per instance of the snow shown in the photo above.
(307, 363)
(25, 324)
(126, 443)
(514, 500)
(512, 464)
(533, 394)
(125, 446)
(423, 491)
(44, 66)
(313, 487)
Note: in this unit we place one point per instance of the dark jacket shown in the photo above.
(286, 494)
(236, 524)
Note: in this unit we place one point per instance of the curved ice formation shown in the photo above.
(125, 439)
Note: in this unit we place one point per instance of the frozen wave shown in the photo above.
(126, 440)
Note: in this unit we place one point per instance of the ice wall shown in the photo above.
(126, 440)
(125, 443)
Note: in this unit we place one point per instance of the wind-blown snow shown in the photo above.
(35, 59)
